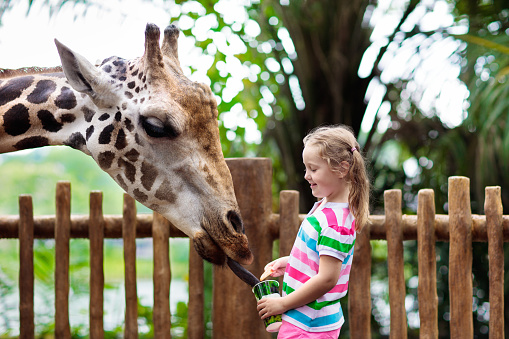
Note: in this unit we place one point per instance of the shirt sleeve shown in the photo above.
(335, 241)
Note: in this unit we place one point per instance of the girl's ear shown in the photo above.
(344, 168)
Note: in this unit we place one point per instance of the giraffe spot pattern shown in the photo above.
(90, 131)
(165, 193)
(129, 169)
(13, 89)
(76, 141)
(148, 175)
(105, 159)
(121, 182)
(132, 155)
(16, 120)
(66, 99)
(66, 118)
(49, 123)
(131, 84)
(42, 91)
(89, 113)
(104, 117)
(121, 142)
(32, 142)
(140, 196)
(105, 136)
(138, 140)
(128, 124)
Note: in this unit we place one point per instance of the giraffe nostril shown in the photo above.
(235, 220)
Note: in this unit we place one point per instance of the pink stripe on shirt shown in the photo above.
(296, 274)
(303, 257)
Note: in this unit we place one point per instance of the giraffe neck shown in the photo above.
(39, 110)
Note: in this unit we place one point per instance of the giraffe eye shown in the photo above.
(157, 129)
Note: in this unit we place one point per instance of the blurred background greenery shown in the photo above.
(422, 84)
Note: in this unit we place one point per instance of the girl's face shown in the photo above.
(324, 182)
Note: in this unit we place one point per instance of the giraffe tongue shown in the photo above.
(242, 273)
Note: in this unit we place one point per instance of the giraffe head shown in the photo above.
(156, 134)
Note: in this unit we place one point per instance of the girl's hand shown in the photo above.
(270, 306)
(277, 267)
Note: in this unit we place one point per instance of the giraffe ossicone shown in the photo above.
(149, 127)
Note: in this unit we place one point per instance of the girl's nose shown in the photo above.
(306, 175)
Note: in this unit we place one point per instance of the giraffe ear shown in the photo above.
(81, 74)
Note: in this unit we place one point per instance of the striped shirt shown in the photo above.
(329, 231)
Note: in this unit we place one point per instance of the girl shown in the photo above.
(317, 271)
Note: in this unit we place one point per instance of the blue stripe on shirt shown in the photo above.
(317, 322)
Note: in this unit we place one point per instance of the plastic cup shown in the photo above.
(269, 289)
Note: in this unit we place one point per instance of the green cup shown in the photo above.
(269, 289)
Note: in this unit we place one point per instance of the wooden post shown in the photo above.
(195, 317)
(26, 267)
(427, 289)
(359, 294)
(235, 316)
(395, 263)
(493, 210)
(460, 258)
(288, 221)
(96, 234)
(129, 237)
(162, 276)
(62, 235)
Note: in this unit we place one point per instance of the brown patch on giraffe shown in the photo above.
(76, 141)
(67, 118)
(165, 192)
(104, 117)
(89, 113)
(66, 99)
(129, 169)
(140, 196)
(49, 123)
(121, 142)
(105, 159)
(16, 120)
(121, 182)
(132, 155)
(31, 142)
(89, 132)
(105, 136)
(13, 88)
(41, 93)
(149, 174)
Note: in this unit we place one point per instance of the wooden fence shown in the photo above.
(234, 306)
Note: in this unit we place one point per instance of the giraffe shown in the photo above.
(149, 127)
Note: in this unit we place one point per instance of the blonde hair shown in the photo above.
(337, 144)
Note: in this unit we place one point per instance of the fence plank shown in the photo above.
(359, 294)
(395, 264)
(493, 209)
(460, 258)
(195, 317)
(62, 236)
(162, 277)
(288, 221)
(26, 267)
(252, 180)
(427, 289)
(129, 237)
(96, 232)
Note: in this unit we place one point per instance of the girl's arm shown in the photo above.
(314, 288)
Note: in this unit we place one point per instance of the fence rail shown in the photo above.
(252, 181)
